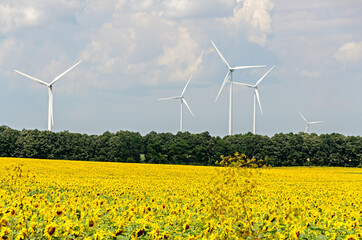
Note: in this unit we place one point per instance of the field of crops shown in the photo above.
(43, 199)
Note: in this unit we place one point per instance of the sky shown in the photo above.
(135, 52)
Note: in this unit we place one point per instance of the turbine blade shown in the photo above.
(306, 128)
(303, 117)
(258, 98)
(315, 122)
(223, 84)
(256, 84)
(183, 91)
(32, 78)
(168, 98)
(244, 67)
(188, 107)
(221, 56)
(244, 84)
(62, 74)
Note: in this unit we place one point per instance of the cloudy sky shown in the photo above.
(136, 51)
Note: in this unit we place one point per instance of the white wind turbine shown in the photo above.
(308, 123)
(256, 95)
(181, 97)
(50, 87)
(230, 74)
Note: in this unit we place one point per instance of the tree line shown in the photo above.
(289, 149)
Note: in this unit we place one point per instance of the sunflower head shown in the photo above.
(118, 232)
(4, 222)
(12, 212)
(186, 226)
(91, 223)
(50, 230)
(5, 232)
(59, 212)
(140, 232)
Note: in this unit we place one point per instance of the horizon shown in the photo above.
(226, 135)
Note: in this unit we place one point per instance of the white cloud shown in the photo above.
(13, 16)
(146, 43)
(139, 5)
(99, 6)
(143, 48)
(349, 52)
(198, 9)
(254, 15)
(9, 47)
(182, 59)
(20, 14)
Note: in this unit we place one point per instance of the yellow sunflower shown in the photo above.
(50, 230)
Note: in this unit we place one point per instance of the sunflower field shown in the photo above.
(53, 199)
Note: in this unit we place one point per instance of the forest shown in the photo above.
(282, 149)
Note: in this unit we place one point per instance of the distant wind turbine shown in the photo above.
(50, 89)
(183, 101)
(230, 74)
(256, 95)
(308, 123)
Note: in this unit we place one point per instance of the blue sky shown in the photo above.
(135, 52)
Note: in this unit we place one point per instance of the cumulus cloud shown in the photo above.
(131, 46)
(137, 41)
(182, 58)
(254, 15)
(146, 43)
(99, 7)
(20, 14)
(13, 16)
(349, 52)
(197, 9)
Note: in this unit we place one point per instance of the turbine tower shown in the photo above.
(230, 74)
(308, 123)
(50, 91)
(183, 101)
(256, 95)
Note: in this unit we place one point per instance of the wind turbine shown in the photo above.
(308, 123)
(256, 94)
(183, 101)
(50, 89)
(230, 74)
